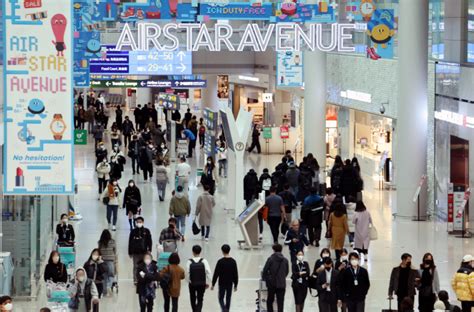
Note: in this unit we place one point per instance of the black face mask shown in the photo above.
(408, 264)
(428, 262)
(328, 268)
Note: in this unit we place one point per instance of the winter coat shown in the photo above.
(96, 270)
(250, 185)
(177, 275)
(147, 154)
(132, 197)
(362, 221)
(55, 272)
(339, 230)
(275, 271)
(103, 170)
(394, 279)
(204, 207)
(293, 176)
(100, 154)
(139, 241)
(463, 284)
(109, 252)
(161, 174)
(152, 275)
(336, 179)
(264, 177)
(349, 184)
(179, 206)
(300, 236)
(113, 200)
(127, 127)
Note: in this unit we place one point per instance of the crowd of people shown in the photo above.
(298, 206)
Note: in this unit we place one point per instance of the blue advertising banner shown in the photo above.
(290, 69)
(38, 97)
(158, 10)
(236, 11)
(323, 12)
(381, 29)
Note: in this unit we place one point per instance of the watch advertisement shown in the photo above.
(38, 97)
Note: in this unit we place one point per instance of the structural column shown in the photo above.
(412, 121)
(315, 105)
(209, 95)
(455, 30)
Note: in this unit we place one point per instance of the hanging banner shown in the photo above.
(290, 69)
(381, 29)
(38, 97)
(236, 11)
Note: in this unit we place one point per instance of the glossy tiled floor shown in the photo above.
(395, 237)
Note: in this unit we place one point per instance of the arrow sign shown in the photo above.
(143, 83)
(181, 55)
(107, 83)
(181, 67)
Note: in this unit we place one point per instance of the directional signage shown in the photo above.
(146, 63)
(175, 84)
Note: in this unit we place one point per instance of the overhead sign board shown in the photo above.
(175, 84)
(236, 11)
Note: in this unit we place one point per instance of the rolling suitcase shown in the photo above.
(389, 307)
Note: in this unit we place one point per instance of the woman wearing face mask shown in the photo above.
(83, 293)
(428, 285)
(161, 179)
(55, 270)
(209, 175)
(222, 156)
(319, 265)
(108, 250)
(132, 201)
(96, 270)
(299, 279)
(112, 197)
(147, 282)
(115, 135)
(103, 174)
(65, 232)
(117, 160)
(6, 303)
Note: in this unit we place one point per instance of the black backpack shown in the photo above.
(197, 273)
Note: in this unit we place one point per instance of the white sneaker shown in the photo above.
(207, 240)
(362, 259)
(114, 228)
(260, 237)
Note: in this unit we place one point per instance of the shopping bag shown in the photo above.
(389, 307)
(196, 229)
(373, 234)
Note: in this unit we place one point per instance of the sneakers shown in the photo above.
(362, 259)
(207, 240)
(114, 228)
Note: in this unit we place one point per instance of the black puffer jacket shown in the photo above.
(275, 271)
(251, 186)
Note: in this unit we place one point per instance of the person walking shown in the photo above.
(137, 113)
(118, 117)
(350, 210)
(336, 175)
(222, 159)
(180, 209)
(293, 177)
(255, 140)
(204, 209)
(127, 129)
(251, 187)
(83, 292)
(227, 273)
(170, 236)
(274, 274)
(265, 182)
(117, 160)
(161, 173)
(338, 228)
(428, 284)
(187, 117)
(147, 277)
(98, 133)
(289, 200)
(319, 264)
(112, 198)
(90, 118)
(296, 239)
(328, 286)
(403, 280)
(362, 221)
(355, 284)
(134, 154)
(103, 175)
(312, 216)
(65, 232)
(209, 175)
(172, 289)
(132, 201)
(100, 153)
(183, 171)
(147, 156)
(463, 283)
(96, 270)
(198, 273)
(108, 250)
(201, 132)
(276, 213)
(299, 280)
(139, 243)
(115, 135)
(107, 114)
(55, 271)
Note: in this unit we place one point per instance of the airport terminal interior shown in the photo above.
(221, 155)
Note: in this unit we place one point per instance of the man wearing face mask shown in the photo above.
(328, 288)
(403, 280)
(139, 243)
(83, 292)
(170, 236)
(65, 232)
(355, 285)
(6, 303)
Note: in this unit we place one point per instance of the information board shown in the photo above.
(210, 119)
(38, 98)
(290, 69)
(267, 133)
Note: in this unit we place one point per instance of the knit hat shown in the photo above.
(439, 305)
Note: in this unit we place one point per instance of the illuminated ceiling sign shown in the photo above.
(358, 96)
(286, 37)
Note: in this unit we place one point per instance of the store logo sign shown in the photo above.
(455, 118)
(358, 96)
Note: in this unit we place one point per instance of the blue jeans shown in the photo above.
(110, 275)
(112, 211)
(181, 223)
(205, 233)
(351, 237)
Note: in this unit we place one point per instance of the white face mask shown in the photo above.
(344, 258)
(95, 257)
(115, 183)
(131, 184)
(354, 262)
(147, 261)
(81, 278)
(56, 259)
(300, 258)
(8, 307)
(325, 255)
(139, 225)
(64, 221)
(209, 162)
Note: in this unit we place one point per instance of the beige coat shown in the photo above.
(204, 206)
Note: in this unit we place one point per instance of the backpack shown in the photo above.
(202, 130)
(267, 184)
(197, 273)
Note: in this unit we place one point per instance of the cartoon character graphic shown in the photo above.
(380, 30)
(59, 23)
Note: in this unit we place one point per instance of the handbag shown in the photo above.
(328, 233)
(106, 200)
(73, 303)
(312, 282)
(133, 202)
(284, 228)
(196, 229)
(264, 211)
(373, 234)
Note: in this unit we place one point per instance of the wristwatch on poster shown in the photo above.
(58, 126)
